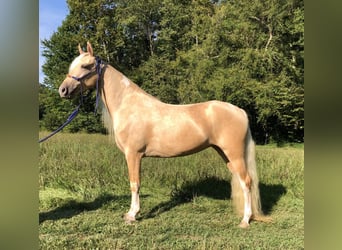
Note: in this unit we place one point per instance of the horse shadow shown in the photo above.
(211, 187)
(214, 188)
(71, 208)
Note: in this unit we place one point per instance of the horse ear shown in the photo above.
(90, 49)
(80, 49)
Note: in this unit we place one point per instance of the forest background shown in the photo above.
(249, 53)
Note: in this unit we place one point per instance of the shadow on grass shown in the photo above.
(215, 188)
(270, 195)
(72, 207)
(211, 187)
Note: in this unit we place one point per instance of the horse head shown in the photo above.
(82, 74)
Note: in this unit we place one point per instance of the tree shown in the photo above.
(248, 53)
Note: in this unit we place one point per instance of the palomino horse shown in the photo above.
(144, 126)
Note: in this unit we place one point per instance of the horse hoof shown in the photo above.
(244, 224)
(129, 219)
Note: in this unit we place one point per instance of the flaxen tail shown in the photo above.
(252, 171)
(237, 193)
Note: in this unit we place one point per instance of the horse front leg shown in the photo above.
(133, 163)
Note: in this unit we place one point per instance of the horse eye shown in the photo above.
(87, 66)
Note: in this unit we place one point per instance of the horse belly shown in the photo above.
(182, 139)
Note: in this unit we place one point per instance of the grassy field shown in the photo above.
(185, 202)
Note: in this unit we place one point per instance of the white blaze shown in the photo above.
(76, 62)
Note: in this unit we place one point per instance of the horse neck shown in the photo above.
(115, 87)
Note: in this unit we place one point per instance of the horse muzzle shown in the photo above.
(67, 90)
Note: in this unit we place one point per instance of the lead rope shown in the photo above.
(70, 118)
(76, 111)
(99, 72)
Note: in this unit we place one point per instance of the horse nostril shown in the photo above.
(64, 91)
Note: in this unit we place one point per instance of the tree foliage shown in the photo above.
(248, 53)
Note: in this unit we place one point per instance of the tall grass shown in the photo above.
(185, 202)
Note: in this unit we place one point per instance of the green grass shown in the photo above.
(185, 201)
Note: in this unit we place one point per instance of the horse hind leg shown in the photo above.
(241, 184)
(241, 190)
